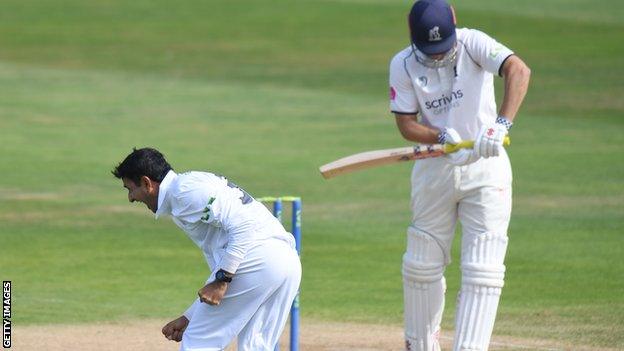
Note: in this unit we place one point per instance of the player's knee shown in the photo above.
(424, 261)
(482, 260)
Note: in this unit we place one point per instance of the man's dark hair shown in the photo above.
(143, 162)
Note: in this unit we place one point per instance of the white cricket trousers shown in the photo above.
(256, 305)
(479, 196)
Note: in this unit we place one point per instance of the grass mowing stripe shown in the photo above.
(299, 44)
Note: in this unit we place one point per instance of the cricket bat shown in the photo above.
(377, 158)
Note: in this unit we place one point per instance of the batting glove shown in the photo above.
(461, 157)
(449, 135)
(490, 138)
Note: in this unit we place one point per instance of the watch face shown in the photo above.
(222, 277)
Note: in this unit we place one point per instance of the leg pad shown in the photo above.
(424, 287)
(483, 274)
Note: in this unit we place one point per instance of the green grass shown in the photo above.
(265, 92)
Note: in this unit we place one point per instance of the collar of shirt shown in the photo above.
(162, 193)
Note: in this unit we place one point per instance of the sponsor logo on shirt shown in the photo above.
(445, 103)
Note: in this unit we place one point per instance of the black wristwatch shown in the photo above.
(223, 276)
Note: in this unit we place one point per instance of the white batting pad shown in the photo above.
(483, 272)
(423, 288)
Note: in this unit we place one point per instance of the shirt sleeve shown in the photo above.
(194, 203)
(402, 95)
(486, 51)
(222, 207)
(241, 237)
(191, 310)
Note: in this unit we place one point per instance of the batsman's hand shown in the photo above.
(460, 157)
(174, 329)
(489, 141)
(213, 292)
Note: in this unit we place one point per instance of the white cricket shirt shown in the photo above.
(223, 220)
(460, 96)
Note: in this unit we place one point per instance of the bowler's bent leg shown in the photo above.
(264, 329)
(260, 277)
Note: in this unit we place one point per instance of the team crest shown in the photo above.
(434, 34)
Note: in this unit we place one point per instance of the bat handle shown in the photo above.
(468, 144)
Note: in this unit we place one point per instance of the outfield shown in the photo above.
(265, 92)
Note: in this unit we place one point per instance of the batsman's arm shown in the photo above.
(413, 131)
(516, 75)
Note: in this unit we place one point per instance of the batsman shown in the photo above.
(442, 91)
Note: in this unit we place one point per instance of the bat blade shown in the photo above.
(369, 159)
(377, 158)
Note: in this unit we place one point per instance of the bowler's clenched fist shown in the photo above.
(174, 329)
(213, 292)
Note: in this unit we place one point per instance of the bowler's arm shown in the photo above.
(516, 75)
(413, 131)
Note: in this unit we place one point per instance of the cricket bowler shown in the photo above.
(442, 91)
(255, 268)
